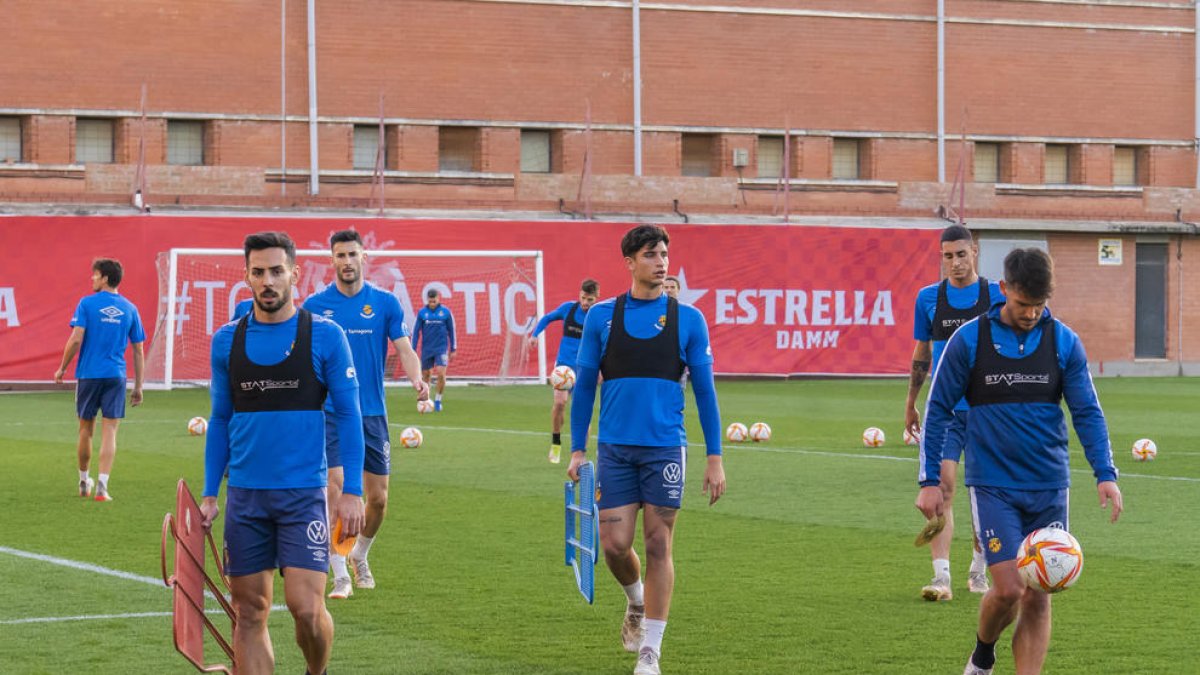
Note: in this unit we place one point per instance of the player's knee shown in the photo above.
(1034, 603)
(616, 547)
(1008, 591)
(658, 544)
(251, 610)
(309, 616)
(377, 501)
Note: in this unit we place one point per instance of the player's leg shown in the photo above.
(1000, 529)
(618, 501)
(342, 586)
(439, 371)
(250, 596)
(1031, 637)
(939, 548)
(661, 482)
(87, 404)
(377, 465)
(112, 407)
(250, 547)
(557, 413)
(305, 593)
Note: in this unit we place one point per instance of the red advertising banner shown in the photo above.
(779, 300)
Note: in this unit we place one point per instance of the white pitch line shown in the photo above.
(93, 617)
(87, 567)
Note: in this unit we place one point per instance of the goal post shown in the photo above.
(495, 297)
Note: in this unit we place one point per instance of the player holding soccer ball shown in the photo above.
(267, 426)
(640, 342)
(434, 331)
(940, 309)
(372, 318)
(572, 314)
(1015, 365)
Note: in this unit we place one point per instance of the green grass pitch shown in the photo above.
(806, 566)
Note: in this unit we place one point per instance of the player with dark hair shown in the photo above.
(671, 286)
(371, 317)
(103, 323)
(1015, 365)
(434, 331)
(641, 341)
(940, 309)
(271, 373)
(572, 314)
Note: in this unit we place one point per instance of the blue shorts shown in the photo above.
(106, 394)
(431, 361)
(637, 474)
(275, 529)
(378, 456)
(1004, 516)
(956, 437)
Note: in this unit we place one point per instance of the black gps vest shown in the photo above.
(291, 384)
(656, 357)
(947, 319)
(1037, 378)
(571, 326)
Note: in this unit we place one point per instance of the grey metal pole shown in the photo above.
(314, 181)
(941, 90)
(637, 88)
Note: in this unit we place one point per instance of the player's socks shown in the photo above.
(654, 634)
(978, 562)
(941, 568)
(83, 475)
(634, 593)
(555, 439)
(338, 563)
(362, 546)
(102, 486)
(985, 654)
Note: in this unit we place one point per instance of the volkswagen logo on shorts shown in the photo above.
(318, 532)
(672, 472)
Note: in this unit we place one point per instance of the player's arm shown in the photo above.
(922, 359)
(1088, 419)
(697, 352)
(450, 334)
(74, 342)
(138, 337)
(337, 369)
(557, 315)
(587, 374)
(216, 439)
(412, 366)
(948, 388)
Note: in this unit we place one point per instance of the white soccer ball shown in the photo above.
(736, 432)
(1144, 450)
(873, 437)
(197, 426)
(424, 406)
(910, 438)
(411, 437)
(1050, 560)
(760, 432)
(562, 378)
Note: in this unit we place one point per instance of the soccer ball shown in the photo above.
(760, 432)
(424, 406)
(197, 426)
(1050, 560)
(873, 437)
(1144, 450)
(411, 437)
(562, 378)
(911, 438)
(736, 432)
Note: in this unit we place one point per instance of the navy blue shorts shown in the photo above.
(275, 529)
(432, 360)
(378, 456)
(1005, 516)
(636, 474)
(956, 437)
(106, 394)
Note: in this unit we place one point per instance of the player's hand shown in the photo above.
(912, 420)
(208, 512)
(714, 479)
(422, 388)
(350, 509)
(929, 501)
(135, 397)
(532, 342)
(1110, 493)
(578, 457)
(58, 375)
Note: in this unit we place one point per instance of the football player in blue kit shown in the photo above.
(271, 373)
(1015, 365)
(371, 317)
(572, 314)
(940, 309)
(103, 323)
(434, 330)
(640, 342)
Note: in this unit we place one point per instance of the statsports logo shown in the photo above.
(1011, 379)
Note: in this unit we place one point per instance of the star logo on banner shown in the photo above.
(687, 294)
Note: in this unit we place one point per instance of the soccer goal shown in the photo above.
(495, 296)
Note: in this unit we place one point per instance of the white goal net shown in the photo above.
(495, 296)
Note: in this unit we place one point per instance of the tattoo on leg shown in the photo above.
(665, 512)
(611, 519)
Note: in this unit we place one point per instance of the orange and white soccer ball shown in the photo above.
(562, 378)
(424, 406)
(197, 426)
(910, 438)
(411, 437)
(1050, 560)
(873, 437)
(736, 432)
(1144, 450)
(760, 432)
